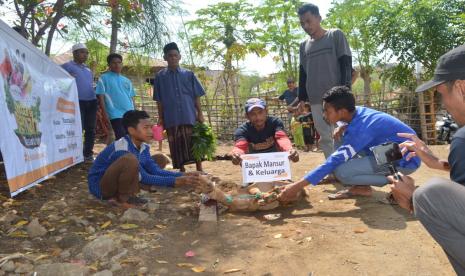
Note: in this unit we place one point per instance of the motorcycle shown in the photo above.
(446, 128)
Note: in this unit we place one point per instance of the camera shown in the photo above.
(387, 153)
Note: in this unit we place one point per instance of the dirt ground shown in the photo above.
(312, 237)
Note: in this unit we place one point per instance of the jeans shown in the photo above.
(88, 121)
(324, 129)
(365, 171)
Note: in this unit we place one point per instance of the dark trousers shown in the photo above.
(88, 120)
(118, 128)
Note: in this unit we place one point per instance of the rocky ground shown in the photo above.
(57, 228)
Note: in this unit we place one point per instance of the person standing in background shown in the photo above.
(116, 94)
(86, 94)
(177, 92)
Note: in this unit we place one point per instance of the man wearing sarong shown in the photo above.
(177, 92)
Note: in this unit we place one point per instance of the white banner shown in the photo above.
(41, 131)
(265, 167)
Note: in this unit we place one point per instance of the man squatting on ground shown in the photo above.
(353, 162)
(439, 204)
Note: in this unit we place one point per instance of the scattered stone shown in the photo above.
(152, 207)
(9, 217)
(90, 229)
(54, 205)
(162, 271)
(120, 255)
(143, 270)
(116, 267)
(54, 217)
(134, 215)
(79, 221)
(24, 268)
(111, 215)
(9, 266)
(26, 245)
(105, 272)
(140, 246)
(60, 269)
(69, 241)
(185, 208)
(34, 229)
(63, 230)
(99, 248)
(65, 254)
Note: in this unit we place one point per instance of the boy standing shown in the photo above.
(261, 134)
(116, 94)
(117, 170)
(177, 92)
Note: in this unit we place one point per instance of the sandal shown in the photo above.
(345, 194)
(389, 199)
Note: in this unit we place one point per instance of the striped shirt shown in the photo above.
(149, 172)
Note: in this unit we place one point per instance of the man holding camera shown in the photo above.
(353, 163)
(440, 203)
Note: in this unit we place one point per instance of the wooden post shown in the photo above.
(421, 104)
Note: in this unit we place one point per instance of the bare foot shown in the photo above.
(123, 205)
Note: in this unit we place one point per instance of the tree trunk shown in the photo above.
(58, 7)
(114, 28)
(365, 74)
(288, 65)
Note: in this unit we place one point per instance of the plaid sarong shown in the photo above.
(180, 142)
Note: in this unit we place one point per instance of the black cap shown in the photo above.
(170, 46)
(451, 66)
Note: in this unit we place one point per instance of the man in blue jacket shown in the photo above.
(117, 170)
(353, 162)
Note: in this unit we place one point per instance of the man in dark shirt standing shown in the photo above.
(440, 203)
(325, 62)
(289, 96)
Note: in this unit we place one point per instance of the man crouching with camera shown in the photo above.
(439, 204)
(354, 163)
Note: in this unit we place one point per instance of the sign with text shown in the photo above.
(41, 131)
(265, 167)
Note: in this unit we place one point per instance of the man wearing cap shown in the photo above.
(439, 204)
(325, 62)
(261, 133)
(289, 96)
(87, 97)
(177, 92)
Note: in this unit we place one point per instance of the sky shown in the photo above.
(252, 64)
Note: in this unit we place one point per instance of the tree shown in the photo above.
(224, 35)
(281, 32)
(38, 18)
(142, 20)
(361, 35)
(419, 31)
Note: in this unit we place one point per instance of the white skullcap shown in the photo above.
(79, 46)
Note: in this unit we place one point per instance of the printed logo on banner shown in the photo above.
(20, 102)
